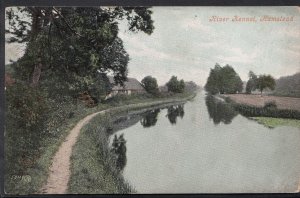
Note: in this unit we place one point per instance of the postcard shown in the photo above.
(127, 100)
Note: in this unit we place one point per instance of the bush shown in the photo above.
(26, 116)
(271, 104)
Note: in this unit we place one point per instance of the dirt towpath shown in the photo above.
(59, 175)
(57, 182)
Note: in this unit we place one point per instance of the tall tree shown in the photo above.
(223, 80)
(265, 81)
(175, 85)
(150, 84)
(251, 83)
(74, 41)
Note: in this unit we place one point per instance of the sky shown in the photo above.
(185, 43)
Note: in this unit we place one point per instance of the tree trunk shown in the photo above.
(36, 28)
(36, 73)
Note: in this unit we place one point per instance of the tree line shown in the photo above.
(225, 80)
(173, 85)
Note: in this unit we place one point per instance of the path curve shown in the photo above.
(59, 175)
(57, 182)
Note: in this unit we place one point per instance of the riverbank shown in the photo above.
(259, 101)
(92, 167)
(34, 174)
(262, 109)
(276, 122)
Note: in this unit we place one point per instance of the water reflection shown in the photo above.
(149, 119)
(219, 111)
(119, 151)
(174, 112)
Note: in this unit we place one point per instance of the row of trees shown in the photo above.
(224, 80)
(174, 85)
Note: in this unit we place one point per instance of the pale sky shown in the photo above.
(184, 43)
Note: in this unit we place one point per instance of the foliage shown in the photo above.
(271, 104)
(251, 83)
(265, 81)
(175, 86)
(26, 116)
(74, 43)
(223, 80)
(150, 85)
(288, 86)
(253, 111)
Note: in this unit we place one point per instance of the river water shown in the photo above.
(204, 146)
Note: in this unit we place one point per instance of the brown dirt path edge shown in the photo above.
(59, 173)
(57, 182)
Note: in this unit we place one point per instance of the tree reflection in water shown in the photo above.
(150, 118)
(219, 111)
(175, 111)
(119, 151)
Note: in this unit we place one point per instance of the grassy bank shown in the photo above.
(93, 170)
(34, 176)
(28, 174)
(275, 122)
(269, 110)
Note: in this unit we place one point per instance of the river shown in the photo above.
(203, 146)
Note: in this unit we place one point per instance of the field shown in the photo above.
(257, 100)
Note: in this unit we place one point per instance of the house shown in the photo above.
(132, 85)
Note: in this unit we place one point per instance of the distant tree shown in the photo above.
(223, 80)
(251, 83)
(174, 85)
(150, 85)
(191, 86)
(265, 81)
(288, 86)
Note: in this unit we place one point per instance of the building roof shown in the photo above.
(130, 84)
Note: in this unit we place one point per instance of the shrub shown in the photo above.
(271, 104)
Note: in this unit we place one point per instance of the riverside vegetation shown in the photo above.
(60, 79)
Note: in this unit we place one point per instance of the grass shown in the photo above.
(92, 170)
(39, 172)
(275, 122)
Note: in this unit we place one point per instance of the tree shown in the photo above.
(150, 85)
(251, 83)
(265, 81)
(223, 80)
(74, 41)
(174, 85)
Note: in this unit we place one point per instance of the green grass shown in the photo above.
(39, 172)
(92, 171)
(275, 122)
